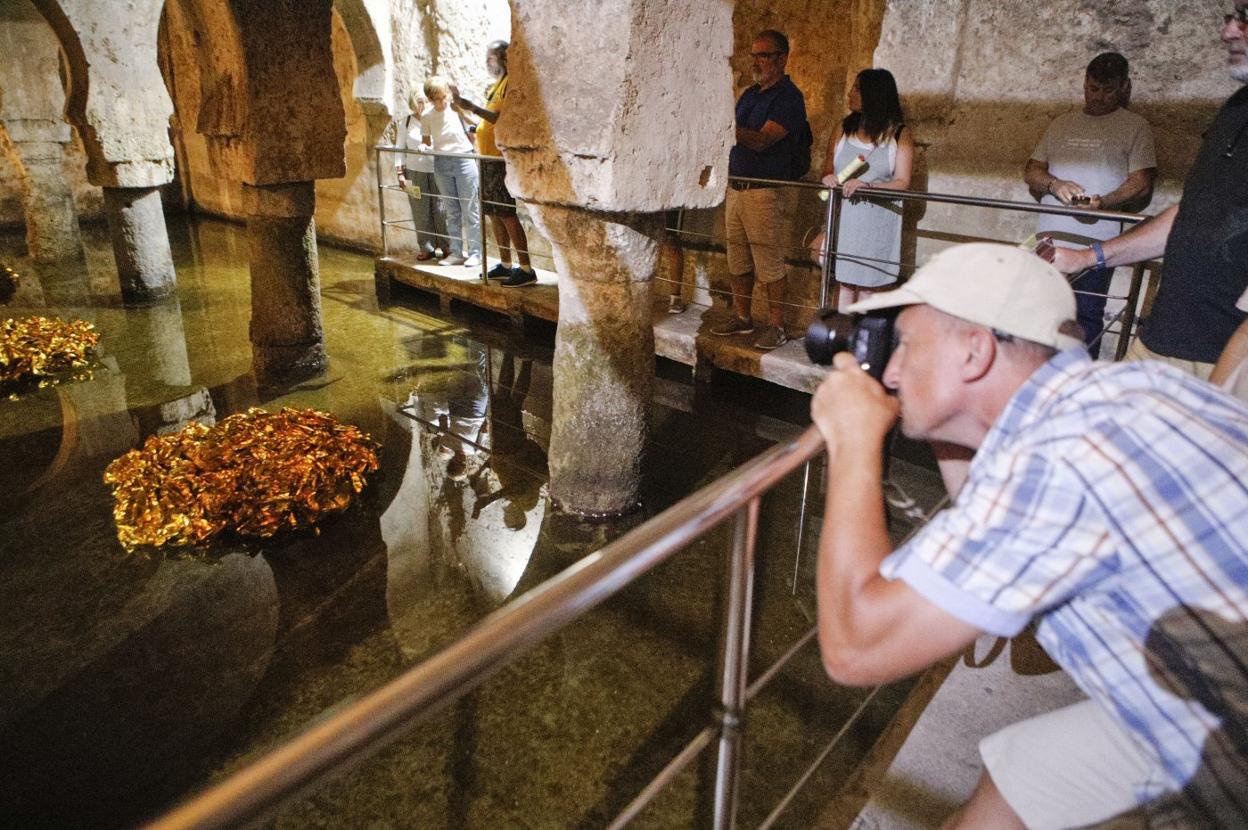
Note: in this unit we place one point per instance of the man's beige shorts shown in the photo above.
(1138, 351)
(1067, 768)
(756, 224)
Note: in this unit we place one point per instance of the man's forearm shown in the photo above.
(1145, 241)
(755, 140)
(1037, 178)
(1234, 353)
(853, 543)
(1134, 187)
(480, 112)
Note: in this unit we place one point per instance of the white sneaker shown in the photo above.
(453, 259)
(473, 261)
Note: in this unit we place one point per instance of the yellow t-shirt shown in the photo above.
(485, 131)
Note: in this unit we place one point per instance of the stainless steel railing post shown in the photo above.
(485, 267)
(829, 228)
(1128, 317)
(801, 522)
(381, 205)
(734, 664)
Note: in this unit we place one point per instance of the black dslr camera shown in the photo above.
(868, 337)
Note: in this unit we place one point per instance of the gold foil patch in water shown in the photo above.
(256, 473)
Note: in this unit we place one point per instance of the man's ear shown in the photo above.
(980, 353)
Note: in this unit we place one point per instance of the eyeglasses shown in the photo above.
(1240, 16)
(772, 55)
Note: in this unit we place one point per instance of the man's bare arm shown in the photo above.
(464, 104)
(1146, 240)
(1042, 183)
(871, 630)
(1234, 353)
(1137, 187)
(759, 140)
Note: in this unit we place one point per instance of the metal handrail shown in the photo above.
(354, 733)
(834, 196)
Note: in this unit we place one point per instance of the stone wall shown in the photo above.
(981, 79)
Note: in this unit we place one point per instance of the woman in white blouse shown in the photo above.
(442, 129)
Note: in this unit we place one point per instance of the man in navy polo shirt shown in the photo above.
(770, 118)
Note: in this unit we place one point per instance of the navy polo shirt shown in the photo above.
(783, 103)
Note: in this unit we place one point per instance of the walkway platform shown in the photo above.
(683, 338)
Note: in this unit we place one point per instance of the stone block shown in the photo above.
(641, 124)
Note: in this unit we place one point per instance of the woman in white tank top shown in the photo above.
(869, 229)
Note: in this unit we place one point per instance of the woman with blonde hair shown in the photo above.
(415, 174)
(443, 130)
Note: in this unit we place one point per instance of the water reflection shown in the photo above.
(473, 492)
(127, 681)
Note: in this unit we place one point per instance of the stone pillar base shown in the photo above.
(136, 224)
(604, 355)
(287, 334)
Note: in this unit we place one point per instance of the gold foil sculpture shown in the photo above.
(256, 473)
(36, 348)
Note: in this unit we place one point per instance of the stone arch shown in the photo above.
(116, 97)
(33, 134)
(263, 125)
(368, 24)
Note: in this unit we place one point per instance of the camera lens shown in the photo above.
(830, 332)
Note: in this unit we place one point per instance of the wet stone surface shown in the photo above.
(128, 681)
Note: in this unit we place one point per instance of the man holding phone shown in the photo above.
(1101, 158)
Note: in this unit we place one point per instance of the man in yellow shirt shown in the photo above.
(499, 204)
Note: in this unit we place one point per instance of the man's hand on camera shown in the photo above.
(851, 409)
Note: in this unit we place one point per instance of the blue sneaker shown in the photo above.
(520, 277)
(499, 272)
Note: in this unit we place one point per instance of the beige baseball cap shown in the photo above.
(1000, 286)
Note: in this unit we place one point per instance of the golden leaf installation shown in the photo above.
(256, 473)
(39, 348)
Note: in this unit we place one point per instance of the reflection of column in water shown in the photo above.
(159, 329)
(65, 285)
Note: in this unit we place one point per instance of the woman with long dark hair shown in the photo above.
(869, 234)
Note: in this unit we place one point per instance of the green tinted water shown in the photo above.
(128, 681)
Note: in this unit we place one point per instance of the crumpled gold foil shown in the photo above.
(256, 473)
(32, 348)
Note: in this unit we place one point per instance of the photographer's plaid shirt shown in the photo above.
(1112, 501)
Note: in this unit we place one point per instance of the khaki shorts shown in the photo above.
(1138, 351)
(756, 224)
(1067, 768)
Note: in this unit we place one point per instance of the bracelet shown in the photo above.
(1100, 254)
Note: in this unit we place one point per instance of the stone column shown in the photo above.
(136, 224)
(287, 335)
(48, 201)
(651, 131)
(604, 355)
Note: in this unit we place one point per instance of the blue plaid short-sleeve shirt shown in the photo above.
(1111, 501)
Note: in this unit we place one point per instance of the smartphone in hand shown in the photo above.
(1044, 249)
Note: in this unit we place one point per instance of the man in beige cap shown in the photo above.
(1105, 500)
